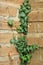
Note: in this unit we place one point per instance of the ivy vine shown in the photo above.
(23, 12)
(24, 50)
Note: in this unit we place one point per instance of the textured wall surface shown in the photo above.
(10, 9)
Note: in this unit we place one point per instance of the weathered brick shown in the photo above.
(40, 42)
(41, 54)
(5, 51)
(33, 40)
(40, 26)
(9, 62)
(35, 27)
(36, 15)
(32, 27)
(33, 16)
(6, 37)
(7, 10)
(4, 63)
(35, 4)
(12, 11)
(36, 58)
(40, 14)
(38, 0)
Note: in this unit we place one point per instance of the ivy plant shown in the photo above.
(25, 51)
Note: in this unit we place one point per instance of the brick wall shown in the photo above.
(10, 9)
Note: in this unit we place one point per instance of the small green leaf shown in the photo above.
(35, 46)
(31, 49)
(19, 29)
(10, 22)
(28, 7)
(28, 48)
(29, 56)
(12, 41)
(24, 58)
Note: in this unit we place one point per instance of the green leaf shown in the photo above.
(28, 61)
(10, 22)
(28, 7)
(12, 41)
(22, 9)
(22, 21)
(20, 29)
(28, 49)
(26, 18)
(22, 15)
(29, 56)
(24, 58)
(27, 11)
(35, 46)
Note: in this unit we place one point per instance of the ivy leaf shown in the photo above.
(22, 21)
(28, 49)
(22, 15)
(31, 49)
(10, 22)
(20, 29)
(25, 30)
(22, 9)
(27, 11)
(28, 7)
(25, 4)
(12, 41)
(24, 58)
(35, 46)
(22, 38)
(29, 56)
(26, 18)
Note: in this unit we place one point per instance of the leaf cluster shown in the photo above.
(24, 50)
(23, 12)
